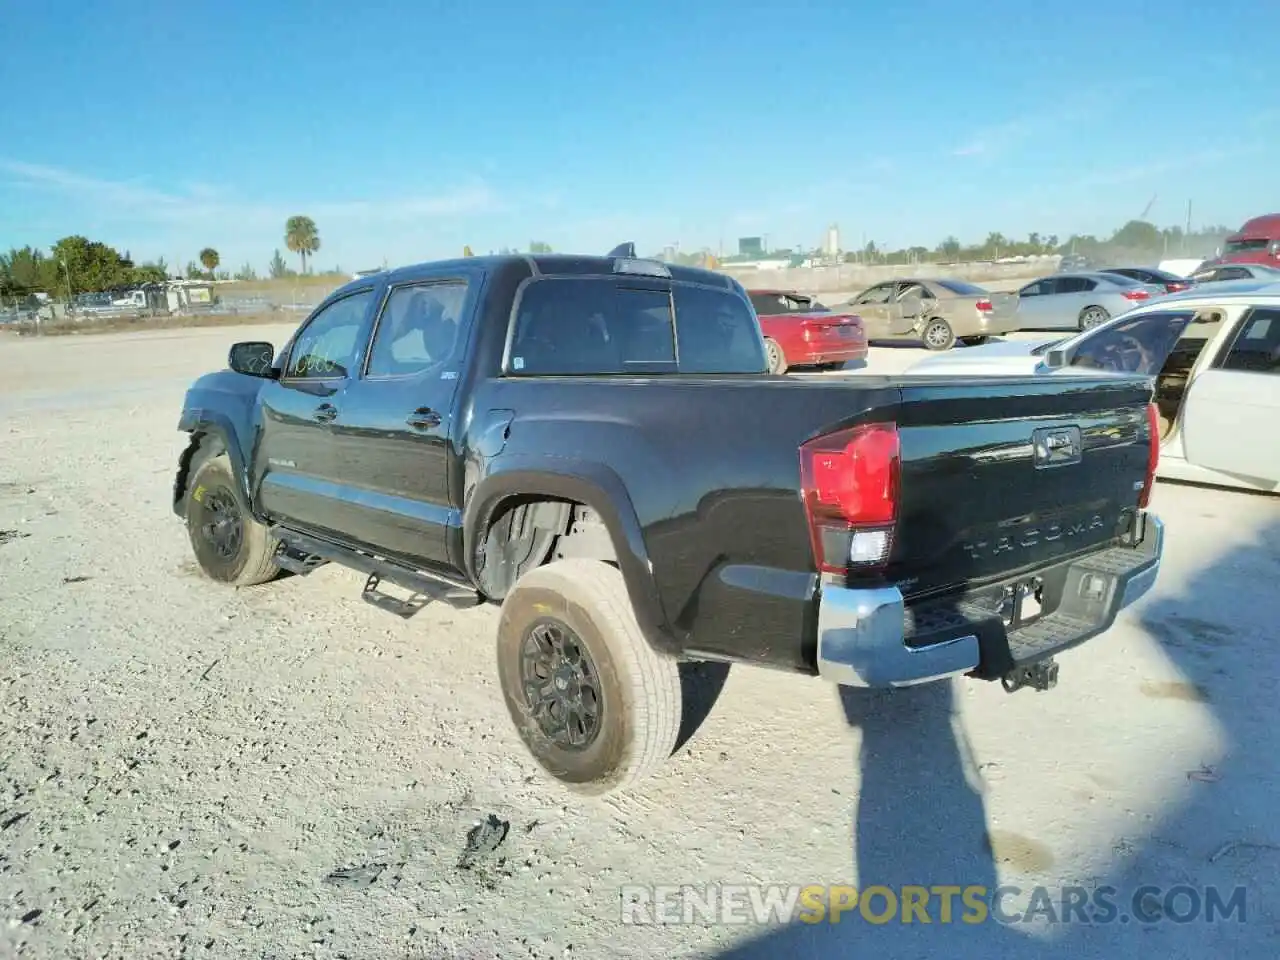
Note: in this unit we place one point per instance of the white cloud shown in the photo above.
(970, 149)
(178, 216)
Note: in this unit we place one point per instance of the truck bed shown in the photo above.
(711, 469)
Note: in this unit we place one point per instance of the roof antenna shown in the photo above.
(627, 250)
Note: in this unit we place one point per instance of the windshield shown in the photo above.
(1126, 344)
(1240, 246)
(1131, 344)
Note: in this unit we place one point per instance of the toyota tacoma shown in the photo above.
(596, 445)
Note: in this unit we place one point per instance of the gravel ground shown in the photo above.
(193, 771)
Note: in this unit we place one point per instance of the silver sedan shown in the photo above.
(1080, 301)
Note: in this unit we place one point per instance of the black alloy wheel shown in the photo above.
(221, 524)
(561, 685)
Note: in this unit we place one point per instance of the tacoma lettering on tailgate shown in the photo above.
(1029, 537)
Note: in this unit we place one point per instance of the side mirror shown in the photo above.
(1055, 358)
(252, 358)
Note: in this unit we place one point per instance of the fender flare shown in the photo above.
(593, 485)
(209, 423)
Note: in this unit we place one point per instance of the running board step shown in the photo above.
(308, 553)
(301, 564)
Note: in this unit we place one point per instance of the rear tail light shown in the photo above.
(984, 306)
(828, 329)
(849, 484)
(1135, 294)
(1177, 287)
(1153, 455)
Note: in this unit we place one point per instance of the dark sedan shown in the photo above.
(1171, 282)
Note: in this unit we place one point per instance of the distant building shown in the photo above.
(777, 261)
(831, 245)
(751, 247)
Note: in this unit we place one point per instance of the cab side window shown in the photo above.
(1257, 345)
(327, 346)
(420, 328)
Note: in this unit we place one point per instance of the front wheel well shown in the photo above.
(201, 446)
(527, 532)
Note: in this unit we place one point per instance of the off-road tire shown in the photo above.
(253, 561)
(777, 360)
(640, 693)
(938, 335)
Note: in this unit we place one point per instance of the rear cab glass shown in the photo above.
(609, 326)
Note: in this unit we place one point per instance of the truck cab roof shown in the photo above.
(549, 264)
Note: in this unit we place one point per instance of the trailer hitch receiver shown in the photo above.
(1041, 675)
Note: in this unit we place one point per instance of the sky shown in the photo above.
(408, 130)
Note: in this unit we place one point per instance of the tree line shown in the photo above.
(1137, 239)
(76, 265)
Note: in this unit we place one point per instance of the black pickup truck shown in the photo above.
(595, 444)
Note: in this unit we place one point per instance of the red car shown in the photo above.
(800, 332)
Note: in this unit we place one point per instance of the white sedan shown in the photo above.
(1215, 353)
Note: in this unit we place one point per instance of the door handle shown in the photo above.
(325, 413)
(424, 418)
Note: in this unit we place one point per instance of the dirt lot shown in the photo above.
(192, 771)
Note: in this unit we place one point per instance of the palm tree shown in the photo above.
(209, 257)
(302, 237)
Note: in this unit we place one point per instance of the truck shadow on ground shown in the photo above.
(919, 820)
(701, 683)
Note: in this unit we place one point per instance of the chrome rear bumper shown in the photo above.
(870, 638)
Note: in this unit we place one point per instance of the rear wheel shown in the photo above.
(1091, 317)
(229, 544)
(777, 359)
(597, 707)
(938, 335)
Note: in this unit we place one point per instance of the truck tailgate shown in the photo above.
(1000, 477)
